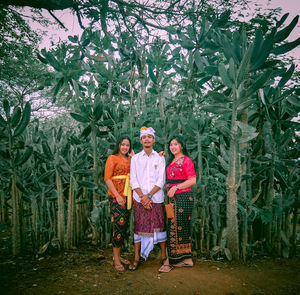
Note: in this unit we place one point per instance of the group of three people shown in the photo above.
(147, 179)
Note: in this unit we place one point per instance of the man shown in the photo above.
(147, 178)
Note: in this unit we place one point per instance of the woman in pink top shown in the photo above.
(181, 177)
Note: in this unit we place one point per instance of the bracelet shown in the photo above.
(177, 187)
(149, 196)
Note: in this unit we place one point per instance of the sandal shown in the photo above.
(124, 261)
(183, 264)
(119, 267)
(134, 265)
(165, 268)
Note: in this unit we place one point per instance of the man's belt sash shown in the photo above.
(127, 189)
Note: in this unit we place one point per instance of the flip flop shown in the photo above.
(170, 267)
(119, 267)
(125, 261)
(134, 266)
(183, 264)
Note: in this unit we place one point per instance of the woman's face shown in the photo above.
(124, 147)
(175, 147)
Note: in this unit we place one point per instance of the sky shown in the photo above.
(71, 23)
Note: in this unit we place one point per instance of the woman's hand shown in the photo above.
(131, 154)
(172, 191)
(162, 154)
(120, 201)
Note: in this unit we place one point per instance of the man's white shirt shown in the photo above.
(146, 172)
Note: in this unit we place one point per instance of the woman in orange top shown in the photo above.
(117, 168)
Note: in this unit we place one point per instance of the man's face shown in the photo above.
(147, 141)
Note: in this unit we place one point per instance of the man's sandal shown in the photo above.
(134, 265)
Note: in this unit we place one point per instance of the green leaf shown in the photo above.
(223, 73)
(151, 73)
(258, 43)
(282, 20)
(284, 33)
(24, 121)
(6, 107)
(246, 104)
(286, 77)
(223, 163)
(16, 116)
(259, 57)
(294, 100)
(187, 44)
(3, 123)
(219, 97)
(86, 42)
(286, 47)
(258, 83)
(216, 109)
(80, 118)
(47, 151)
(203, 81)
(53, 61)
(198, 60)
(86, 132)
(244, 66)
(57, 87)
(24, 157)
(98, 112)
(87, 184)
(42, 59)
(232, 69)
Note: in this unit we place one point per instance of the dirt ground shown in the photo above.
(87, 270)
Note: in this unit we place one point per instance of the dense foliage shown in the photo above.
(220, 83)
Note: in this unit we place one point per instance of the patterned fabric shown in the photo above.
(179, 228)
(181, 169)
(119, 218)
(146, 222)
(116, 165)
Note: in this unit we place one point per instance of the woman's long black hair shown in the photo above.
(181, 141)
(118, 143)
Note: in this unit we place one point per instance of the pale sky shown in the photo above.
(70, 21)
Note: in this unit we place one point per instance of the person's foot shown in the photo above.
(184, 263)
(124, 261)
(134, 265)
(166, 267)
(162, 259)
(119, 267)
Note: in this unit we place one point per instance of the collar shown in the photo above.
(143, 153)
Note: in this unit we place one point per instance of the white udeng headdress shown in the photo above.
(147, 131)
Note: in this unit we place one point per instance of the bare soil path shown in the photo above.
(88, 271)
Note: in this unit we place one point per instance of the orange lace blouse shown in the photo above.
(116, 165)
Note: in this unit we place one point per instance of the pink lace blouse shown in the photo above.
(183, 168)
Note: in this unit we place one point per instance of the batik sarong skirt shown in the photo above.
(146, 222)
(179, 228)
(119, 217)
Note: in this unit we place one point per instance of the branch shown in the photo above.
(61, 24)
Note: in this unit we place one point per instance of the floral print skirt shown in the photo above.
(119, 217)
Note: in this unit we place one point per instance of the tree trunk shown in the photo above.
(16, 216)
(232, 186)
(60, 211)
